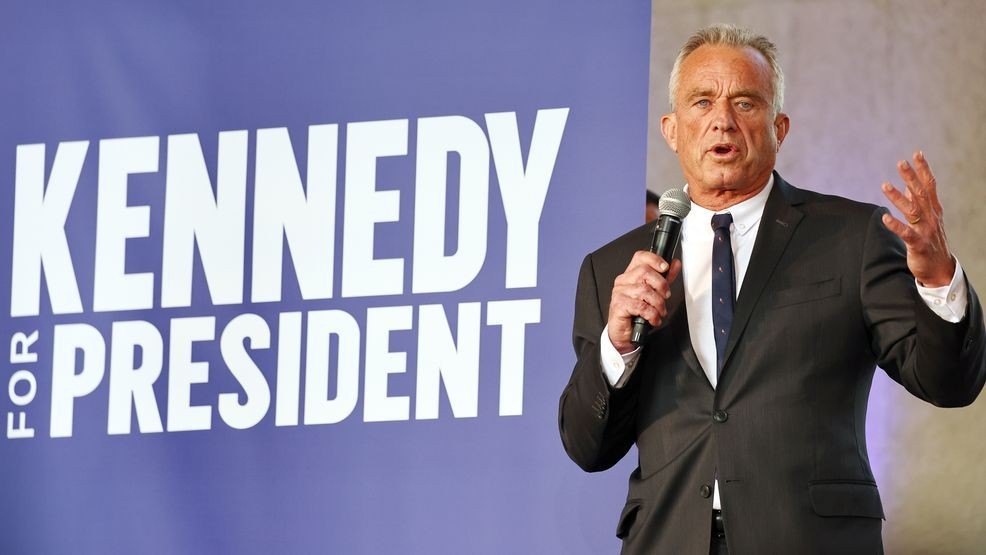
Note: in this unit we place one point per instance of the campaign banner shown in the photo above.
(298, 277)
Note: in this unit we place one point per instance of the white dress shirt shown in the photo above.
(948, 302)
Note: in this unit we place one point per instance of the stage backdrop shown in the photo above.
(297, 277)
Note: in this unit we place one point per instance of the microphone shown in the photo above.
(674, 206)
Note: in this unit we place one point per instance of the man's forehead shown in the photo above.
(708, 65)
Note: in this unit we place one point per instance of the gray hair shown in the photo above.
(723, 34)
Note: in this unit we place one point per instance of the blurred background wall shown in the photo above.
(869, 82)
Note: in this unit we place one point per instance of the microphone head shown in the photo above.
(675, 202)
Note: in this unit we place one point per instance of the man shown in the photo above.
(747, 401)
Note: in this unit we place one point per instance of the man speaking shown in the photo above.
(747, 400)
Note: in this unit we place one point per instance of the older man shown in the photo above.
(748, 400)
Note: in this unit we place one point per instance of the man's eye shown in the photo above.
(703, 103)
(744, 105)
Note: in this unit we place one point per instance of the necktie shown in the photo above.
(723, 284)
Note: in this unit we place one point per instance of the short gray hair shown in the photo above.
(724, 34)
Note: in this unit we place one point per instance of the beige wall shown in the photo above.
(868, 82)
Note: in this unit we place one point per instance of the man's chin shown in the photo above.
(724, 180)
(732, 178)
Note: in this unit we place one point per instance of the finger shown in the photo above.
(904, 205)
(900, 229)
(647, 258)
(675, 271)
(633, 272)
(628, 307)
(927, 180)
(918, 196)
(657, 282)
(638, 275)
(644, 267)
(641, 292)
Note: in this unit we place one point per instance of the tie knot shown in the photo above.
(722, 221)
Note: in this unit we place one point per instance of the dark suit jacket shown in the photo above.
(827, 297)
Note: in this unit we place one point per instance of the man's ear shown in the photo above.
(782, 124)
(669, 128)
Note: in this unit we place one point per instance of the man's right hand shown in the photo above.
(641, 290)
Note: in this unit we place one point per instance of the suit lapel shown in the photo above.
(780, 219)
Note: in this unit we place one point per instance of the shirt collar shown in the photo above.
(746, 214)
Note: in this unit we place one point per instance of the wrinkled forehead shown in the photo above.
(724, 69)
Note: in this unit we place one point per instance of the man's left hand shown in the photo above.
(923, 233)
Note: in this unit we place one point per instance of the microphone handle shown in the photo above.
(664, 243)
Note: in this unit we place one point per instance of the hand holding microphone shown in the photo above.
(639, 294)
(674, 206)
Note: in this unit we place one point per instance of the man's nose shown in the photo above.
(723, 118)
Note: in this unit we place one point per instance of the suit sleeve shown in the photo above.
(940, 362)
(595, 420)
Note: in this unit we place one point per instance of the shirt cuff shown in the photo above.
(617, 368)
(950, 301)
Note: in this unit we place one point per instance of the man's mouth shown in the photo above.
(723, 149)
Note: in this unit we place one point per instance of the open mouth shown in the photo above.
(724, 149)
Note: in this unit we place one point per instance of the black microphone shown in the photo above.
(674, 206)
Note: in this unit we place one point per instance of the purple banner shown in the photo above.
(298, 277)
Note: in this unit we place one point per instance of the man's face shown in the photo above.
(724, 128)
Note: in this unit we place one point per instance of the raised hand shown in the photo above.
(640, 290)
(923, 234)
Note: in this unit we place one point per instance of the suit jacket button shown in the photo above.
(705, 491)
(720, 416)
